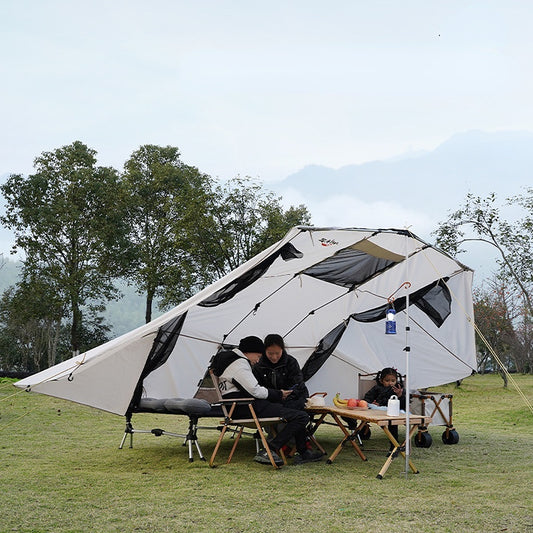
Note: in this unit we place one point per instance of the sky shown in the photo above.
(260, 89)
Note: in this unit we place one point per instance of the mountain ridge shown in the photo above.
(473, 161)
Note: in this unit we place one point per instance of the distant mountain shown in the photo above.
(417, 188)
(437, 180)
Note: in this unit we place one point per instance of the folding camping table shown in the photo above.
(364, 417)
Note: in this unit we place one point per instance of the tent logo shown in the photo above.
(327, 242)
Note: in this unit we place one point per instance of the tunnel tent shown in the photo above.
(325, 290)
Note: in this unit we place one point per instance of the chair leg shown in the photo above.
(239, 433)
(263, 438)
(217, 446)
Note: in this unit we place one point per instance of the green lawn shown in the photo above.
(62, 471)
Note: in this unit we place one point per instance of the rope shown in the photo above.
(5, 384)
(11, 395)
(313, 311)
(19, 417)
(72, 369)
(442, 345)
(16, 419)
(529, 405)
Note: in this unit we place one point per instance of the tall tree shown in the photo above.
(68, 218)
(238, 219)
(494, 320)
(30, 322)
(165, 196)
(480, 219)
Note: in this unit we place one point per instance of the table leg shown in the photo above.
(313, 426)
(349, 437)
(397, 447)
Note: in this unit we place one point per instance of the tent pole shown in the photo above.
(407, 351)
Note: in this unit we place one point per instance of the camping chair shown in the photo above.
(237, 425)
(365, 383)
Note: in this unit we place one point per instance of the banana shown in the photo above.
(339, 402)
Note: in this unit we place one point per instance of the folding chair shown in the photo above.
(364, 384)
(237, 425)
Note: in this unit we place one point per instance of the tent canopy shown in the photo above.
(325, 290)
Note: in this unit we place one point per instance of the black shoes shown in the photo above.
(262, 457)
(308, 456)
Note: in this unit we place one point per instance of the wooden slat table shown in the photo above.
(365, 417)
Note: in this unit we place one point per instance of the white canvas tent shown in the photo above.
(326, 290)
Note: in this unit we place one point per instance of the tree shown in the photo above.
(514, 241)
(239, 220)
(480, 219)
(30, 320)
(494, 320)
(69, 219)
(165, 196)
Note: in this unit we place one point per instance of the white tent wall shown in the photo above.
(437, 356)
(73, 379)
(303, 297)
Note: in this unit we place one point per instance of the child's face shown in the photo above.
(389, 380)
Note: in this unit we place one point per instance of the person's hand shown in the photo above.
(285, 394)
(397, 390)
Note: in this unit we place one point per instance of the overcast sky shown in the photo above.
(259, 88)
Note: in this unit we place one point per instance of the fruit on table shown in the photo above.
(352, 402)
(339, 402)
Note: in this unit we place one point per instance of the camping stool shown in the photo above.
(192, 407)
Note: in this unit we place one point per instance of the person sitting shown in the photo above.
(278, 370)
(234, 370)
(388, 383)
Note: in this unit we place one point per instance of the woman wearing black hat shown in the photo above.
(234, 370)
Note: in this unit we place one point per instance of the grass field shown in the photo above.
(62, 471)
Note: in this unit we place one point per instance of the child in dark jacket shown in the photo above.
(388, 383)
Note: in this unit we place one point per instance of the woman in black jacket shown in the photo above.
(278, 370)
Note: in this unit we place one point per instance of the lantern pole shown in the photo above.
(407, 351)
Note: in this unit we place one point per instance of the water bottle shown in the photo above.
(393, 407)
